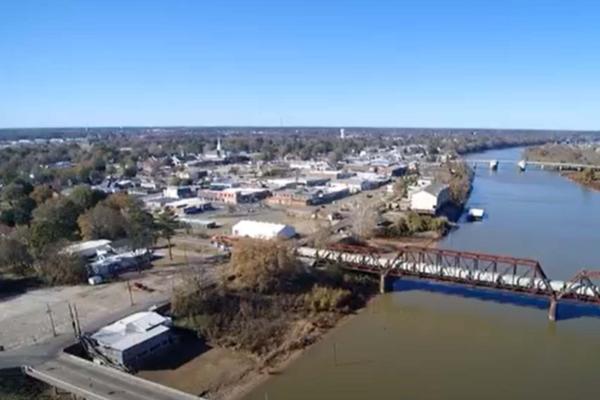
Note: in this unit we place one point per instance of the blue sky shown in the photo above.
(504, 64)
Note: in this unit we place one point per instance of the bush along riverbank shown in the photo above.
(268, 304)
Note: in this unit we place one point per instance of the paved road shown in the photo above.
(95, 382)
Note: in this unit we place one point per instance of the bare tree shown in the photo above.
(365, 221)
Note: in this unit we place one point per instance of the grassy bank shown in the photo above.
(268, 306)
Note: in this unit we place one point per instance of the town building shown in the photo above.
(234, 195)
(430, 199)
(178, 192)
(308, 196)
(130, 341)
(262, 230)
(188, 206)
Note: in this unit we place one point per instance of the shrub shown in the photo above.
(322, 298)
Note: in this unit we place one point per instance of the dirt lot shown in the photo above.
(212, 371)
(25, 318)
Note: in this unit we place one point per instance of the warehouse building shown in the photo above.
(129, 342)
(430, 199)
(263, 230)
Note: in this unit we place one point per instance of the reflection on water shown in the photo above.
(421, 345)
(433, 341)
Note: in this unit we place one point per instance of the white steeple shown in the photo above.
(341, 133)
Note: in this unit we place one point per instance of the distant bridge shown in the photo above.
(524, 164)
(475, 269)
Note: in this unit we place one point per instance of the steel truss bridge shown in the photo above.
(475, 269)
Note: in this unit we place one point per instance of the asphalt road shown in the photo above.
(101, 383)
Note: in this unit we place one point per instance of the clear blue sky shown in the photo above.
(520, 64)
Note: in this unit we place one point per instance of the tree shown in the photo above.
(58, 268)
(16, 190)
(84, 197)
(166, 224)
(588, 176)
(55, 219)
(140, 227)
(365, 222)
(263, 266)
(400, 188)
(14, 255)
(102, 222)
(41, 193)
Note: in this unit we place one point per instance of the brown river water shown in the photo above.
(434, 341)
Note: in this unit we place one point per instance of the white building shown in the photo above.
(129, 341)
(263, 230)
(430, 199)
(88, 248)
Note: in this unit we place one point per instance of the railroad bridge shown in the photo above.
(475, 269)
(525, 164)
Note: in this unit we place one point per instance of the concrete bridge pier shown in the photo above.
(383, 282)
(552, 309)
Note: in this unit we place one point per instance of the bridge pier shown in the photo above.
(382, 282)
(552, 309)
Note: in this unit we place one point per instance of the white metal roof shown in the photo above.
(88, 245)
(260, 229)
(132, 330)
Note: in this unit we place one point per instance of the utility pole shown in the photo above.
(77, 322)
(73, 323)
(51, 319)
(130, 293)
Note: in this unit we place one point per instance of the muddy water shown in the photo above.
(432, 341)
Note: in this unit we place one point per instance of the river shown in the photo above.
(430, 341)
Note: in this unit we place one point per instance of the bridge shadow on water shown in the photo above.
(566, 309)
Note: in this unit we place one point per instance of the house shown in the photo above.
(430, 199)
(262, 230)
(130, 341)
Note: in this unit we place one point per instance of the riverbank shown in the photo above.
(575, 154)
(582, 179)
(267, 308)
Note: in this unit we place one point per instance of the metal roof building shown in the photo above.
(262, 230)
(129, 341)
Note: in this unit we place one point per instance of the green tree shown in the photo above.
(16, 190)
(166, 223)
(54, 220)
(84, 197)
(140, 228)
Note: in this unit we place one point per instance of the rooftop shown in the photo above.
(132, 330)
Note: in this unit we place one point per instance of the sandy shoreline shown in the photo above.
(256, 377)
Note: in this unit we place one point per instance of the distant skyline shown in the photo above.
(482, 64)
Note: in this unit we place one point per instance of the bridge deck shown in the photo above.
(94, 382)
